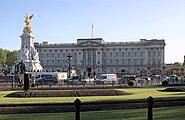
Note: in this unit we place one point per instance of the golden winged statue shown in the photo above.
(27, 21)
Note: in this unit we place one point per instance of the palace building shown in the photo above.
(94, 56)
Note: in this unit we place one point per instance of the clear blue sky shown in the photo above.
(63, 21)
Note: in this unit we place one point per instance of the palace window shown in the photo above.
(117, 61)
(129, 54)
(58, 56)
(129, 62)
(135, 61)
(104, 55)
(110, 54)
(123, 61)
(123, 54)
(116, 54)
(104, 62)
(149, 54)
(110, 61)
(141, 62)
(135, 54)
(141, 54)
(159, 53)
(154, 53)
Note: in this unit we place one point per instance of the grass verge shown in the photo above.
(137, 93)
(165, 113)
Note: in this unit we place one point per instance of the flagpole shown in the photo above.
(92, 30)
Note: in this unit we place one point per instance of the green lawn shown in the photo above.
(165, 113)
(137, 93)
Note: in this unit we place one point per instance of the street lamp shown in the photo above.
(148, 69)
(20, 68)
(138, 72)
(69, 57)
(82, 70)
(98, 67)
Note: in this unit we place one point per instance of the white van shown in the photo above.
(106, 78)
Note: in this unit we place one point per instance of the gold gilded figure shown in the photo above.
(27, 21)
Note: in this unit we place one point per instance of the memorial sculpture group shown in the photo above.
(28, 55)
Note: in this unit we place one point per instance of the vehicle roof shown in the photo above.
(128, 76)
(106, 74)
(49, 76)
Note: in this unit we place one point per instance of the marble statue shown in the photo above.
(28, 54)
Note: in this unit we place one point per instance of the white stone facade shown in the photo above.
(94, 56)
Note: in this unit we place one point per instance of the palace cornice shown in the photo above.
(96, 43)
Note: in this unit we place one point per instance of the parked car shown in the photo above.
(144, 80)
(40, 76)
(125, 78)
(166, 78)
(106, 78)
(75, 80)
(47, 80)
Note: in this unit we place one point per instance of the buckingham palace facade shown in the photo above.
(94, 56)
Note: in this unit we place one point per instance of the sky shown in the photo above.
(64, 21)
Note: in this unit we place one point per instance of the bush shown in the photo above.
(164, 82)
(130, 83)
(32, 85)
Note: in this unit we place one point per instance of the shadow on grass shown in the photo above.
(173, 89)
(72, 93)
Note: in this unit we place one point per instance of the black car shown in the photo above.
(75, 80)
(126, 78)
(47, 80)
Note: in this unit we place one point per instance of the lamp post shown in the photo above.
(138, 72)
(148, 69)
(82, 70)
(98, 67)
(69, 57)
(22, 67)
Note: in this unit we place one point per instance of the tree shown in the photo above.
(2, 57)
(7, 58)
(11, 57)
(177, 64)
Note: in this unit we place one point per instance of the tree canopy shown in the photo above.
(7, 58)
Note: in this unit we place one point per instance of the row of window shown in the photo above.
(152, 62)
(104, 49)
(55, 56)
(123, 54)
(58, 56)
